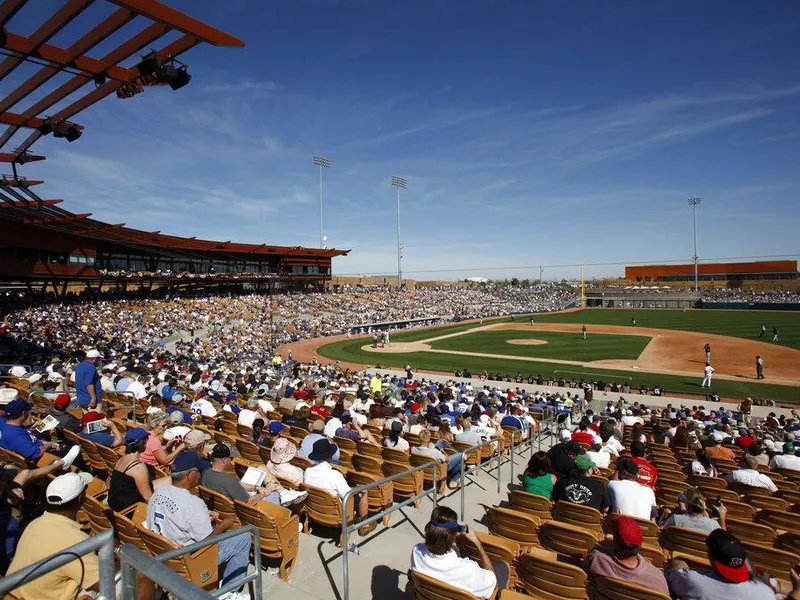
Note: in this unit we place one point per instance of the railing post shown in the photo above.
(105, 564)
(500, 460)
(345, 548)
(129, 583)
(463, 482)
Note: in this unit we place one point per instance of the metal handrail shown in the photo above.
(102, 543)
(368, 486)
(132, 406)
(480, 465)
(221, 537)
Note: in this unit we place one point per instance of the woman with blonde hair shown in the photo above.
(154, 453)
(692, 513)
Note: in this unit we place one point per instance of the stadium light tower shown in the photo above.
(399, 182)
(323, 163)
(694, 202)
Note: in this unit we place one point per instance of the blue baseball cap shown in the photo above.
(137, 434)
(15, 408)
(186, 461)
(275, 427)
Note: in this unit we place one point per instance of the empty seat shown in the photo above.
(278, 529)
(530, 504)
(514, 525)
(545, 578)
(604, 588)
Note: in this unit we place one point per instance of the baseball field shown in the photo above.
(664, 348)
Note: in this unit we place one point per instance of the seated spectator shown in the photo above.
(177, 406)
(720, 452)
(324, 476)
(351, 430)
(100, 436)
(438, 557)
(66, 421)
(56, 530)
(759, 451)
(648, 474)
(427, 449)
(274, 430)
(130, 479)
(201, 406)
(154, 453)
(746, 438)
(692, 513)
(787, 460)
(748, 474)
(628, 496)
(183, 518)
(13, 482)
(282, 452)
(468, 436)
(307, 445)
(583, 435)
(730, 577)
(600, 457)
(579, 488)
(394, 439)
(298, 419)
(177, 428)
(702, 465)
(217, 479)
(251, 412)
(562, 456)
(14, 436)
(622, 561)
(539, 478)
(258, 436)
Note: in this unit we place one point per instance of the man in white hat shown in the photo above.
(52, 533)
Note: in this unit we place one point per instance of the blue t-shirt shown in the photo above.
(514, 421)
(98, 437)
(187, 418)
(168, 392)
(123, 384)
(18, 439)
(85, 375)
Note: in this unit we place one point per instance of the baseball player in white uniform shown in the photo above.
(709, 371)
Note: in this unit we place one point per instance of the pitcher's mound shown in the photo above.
(527, 342)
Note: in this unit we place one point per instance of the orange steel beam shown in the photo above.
(48, 29)
(8, 9)
(133, 45)
(30, 203)
(16, 120)
(59, 218)
(175, 19)
(8, 181)
(100, 229)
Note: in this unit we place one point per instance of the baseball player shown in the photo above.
(709, 371)
(759, 367)
(583, 330)
(763, 331)
(774, 334)
(707, 348)
(633, 321)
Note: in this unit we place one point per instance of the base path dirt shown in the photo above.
(669, 351)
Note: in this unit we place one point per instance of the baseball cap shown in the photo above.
(137, 434)
(8, 395)
(176, 417)
(15, 408)
(346, 418)
(728, 556)
(67, 487)
(573, 447)
(186, 461)
(788, 448)
(583, 463)
(92, 416)
(275, 427)
(94, 353)
(62, 401)
(626, 531)
(220, 451)
(628, 466)
(196, 437)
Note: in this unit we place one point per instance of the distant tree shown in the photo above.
(526, 283)
(515, 282)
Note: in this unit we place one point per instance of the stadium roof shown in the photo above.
(103, 76)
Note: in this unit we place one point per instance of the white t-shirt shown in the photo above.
(630, 420)
(178, 431)
(178, 515)
(326, 477)
(602, 458)
(247, 416)
(331, 426)
(752, 478)
(631, 498)
(401, 444)
(452, 569)
(785, 461)
(266, 406)
(201, 406)
(137, 389)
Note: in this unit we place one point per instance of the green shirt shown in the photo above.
(541, 485)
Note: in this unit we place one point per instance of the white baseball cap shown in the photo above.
(7, 395)
(17, 371)
(67, 487)
(94, 353)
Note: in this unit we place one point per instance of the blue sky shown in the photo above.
(530, 133)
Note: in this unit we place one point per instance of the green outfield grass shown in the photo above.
(736, 323)
(351, 351)
(561, 346)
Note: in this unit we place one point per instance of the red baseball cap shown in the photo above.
(728, 556)
(92, 416)
(627, 532)
(415, 406)
(62, 401)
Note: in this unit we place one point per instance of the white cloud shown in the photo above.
(244, 85)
